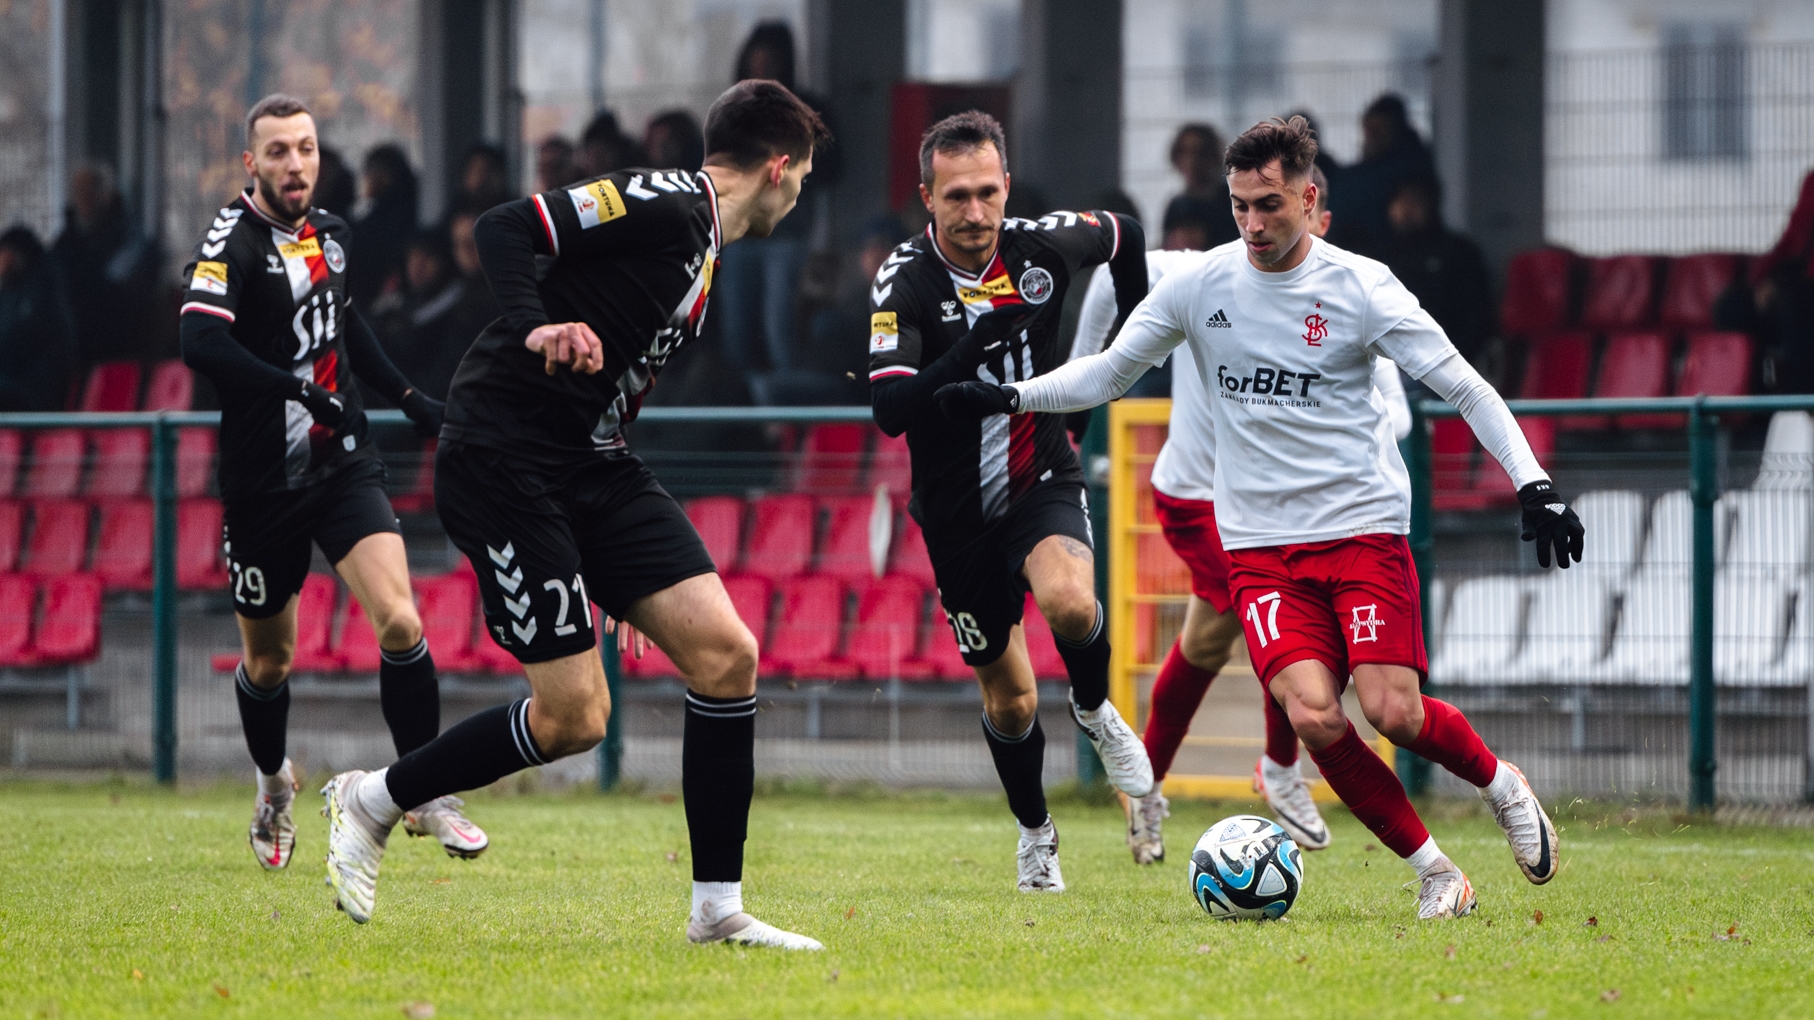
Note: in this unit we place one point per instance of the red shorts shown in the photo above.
(1190, 529)
(1343, 603)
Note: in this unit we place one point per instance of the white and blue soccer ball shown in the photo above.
(1246, 867)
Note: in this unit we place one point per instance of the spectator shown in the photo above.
(36, 330)
(836, 351)
(483, 179)
(336, 189)
(1187, 227)
(1443, 268)
(101, 256)
(604, 147)
(554, 164)
(1782, 284)
(674, 139)
(1196, 154)
(1391, 153)
(390, 221)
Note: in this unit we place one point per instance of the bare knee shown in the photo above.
(725, 667)
(1317, 723)
(1396, 717)
(268, 670)
(398, 627)
(571, 729)
(1011, 714)
(1208, 646)
(1070, 610)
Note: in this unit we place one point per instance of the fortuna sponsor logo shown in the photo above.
(1035, 286)
(1267, 380)
(1371, 623)
(884, 333)
(1219, 321)
(598, 203)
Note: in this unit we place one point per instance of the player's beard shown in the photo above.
(273, 196)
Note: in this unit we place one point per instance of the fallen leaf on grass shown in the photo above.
(222, 992)
(848, 914)
(673, 856)
(1370, 847)
(1028, 922)
(275, 915)
(1452, 1000)
(439, 881)
(1604, 938)
(137, 974)
(418, 1010)
(1302, 959)
(666, 798)
(1448, 951)
(1536, 917)
(832, 978)
(1592, 922)
(1610, 995)
(1204, 948)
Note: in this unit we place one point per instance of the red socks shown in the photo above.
(1281, 739)
(1177, 691)
(1370, 789)
(1448, 740)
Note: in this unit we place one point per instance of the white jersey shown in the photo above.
(1186, 466)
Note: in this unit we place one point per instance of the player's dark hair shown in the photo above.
(1290, 142)
(277, 104)
(756, 119)
(958, 134)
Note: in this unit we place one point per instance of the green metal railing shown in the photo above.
(1702, 415)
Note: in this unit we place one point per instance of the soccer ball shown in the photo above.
(1245, 867)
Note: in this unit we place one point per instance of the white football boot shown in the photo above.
(355, 848)
(273, 831)
(1123, 755)
(1443, 894)
(1037, 858)
(740, 929)
(1527, 827)
(1292, 806)
(1145, 820)
(442, 819)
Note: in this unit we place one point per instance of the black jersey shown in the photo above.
(282, 291)
(630, 254)
(966, 474)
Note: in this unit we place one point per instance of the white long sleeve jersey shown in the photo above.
(1305, 450)
(1186, 465)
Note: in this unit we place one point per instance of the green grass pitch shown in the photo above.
(121, 900)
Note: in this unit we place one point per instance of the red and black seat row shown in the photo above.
(48, 538)
(61, 628)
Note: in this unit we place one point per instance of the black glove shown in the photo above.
(424, 411)
(974, 401)
(326, 406)
(991, 330)
(1550, 523)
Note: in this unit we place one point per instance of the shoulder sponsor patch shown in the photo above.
(884, 333)
(597, 203)
(210, 278)
(307, 248)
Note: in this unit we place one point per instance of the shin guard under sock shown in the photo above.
(1087, 662)
(1177, 691)
(1371, 790)
(1450, 741)
(264, 715)
(477, 751)
(1020, 762)
(410, 696)
(1281, 739)
(717, 781)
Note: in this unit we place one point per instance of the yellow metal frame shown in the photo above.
(1124, 417)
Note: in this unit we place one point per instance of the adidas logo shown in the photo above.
(1219, 321)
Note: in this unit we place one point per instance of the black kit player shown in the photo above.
(600, 283)
(267, 320)
(1002, 501)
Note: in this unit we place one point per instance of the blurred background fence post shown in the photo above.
(1703, 488)
(1095, 469)
(1413, 769)
(163, 600)
(611, 749)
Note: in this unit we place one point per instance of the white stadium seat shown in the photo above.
(1565, 630)
(1788, 452)
(1651, 644)
(1615, 517)
(1670, 544)
(1750, 619)
(1481, 633)
(1770, 532)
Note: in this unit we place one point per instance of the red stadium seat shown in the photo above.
(719, 521)
(1558, 367)
(59, 538)
(809, 631)
(1452, 453)
(315, 625)
(1692, 286)
(112, 386)
(494, 658)
(56, 467)
(1047, 663)
(831, 459)
(1537, 285)
(653, 665)
(71, 628)
(198, 538)
(447, 604)
(1621, 292)
(12, 451)
(1635, 365)
(12, 528)
(18, 606)
(909, 557)
(1492, 486)
(194, 460)
(122, 554)
(172, 387)
(752, 597)
(358, 649)
(892, 465)
(1718, 364)
(781, 540)
(121, 457)
(938, 649)
(420, 498)
(885, 637)
(845, 552)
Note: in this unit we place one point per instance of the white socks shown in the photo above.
(715, 901)
(280, 784)
(1504, 785)
(1034, 835)
(1429, 859)
(1280, 775)
(373, 799)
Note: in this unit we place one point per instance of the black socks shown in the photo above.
(410, 696)
(1020, 761)
(717, 780)
(265, 716)
(477, 751)
(1087, 662)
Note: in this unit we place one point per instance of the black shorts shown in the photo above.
(266, 536)
(546, 540)
(979, 578)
